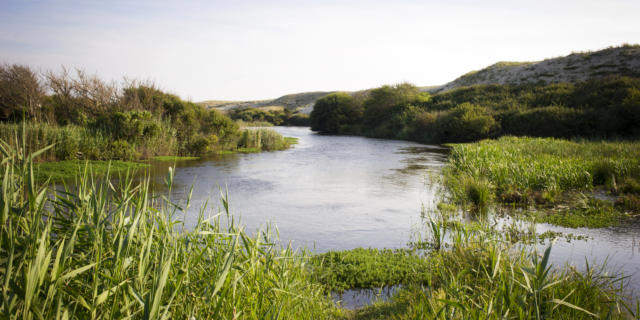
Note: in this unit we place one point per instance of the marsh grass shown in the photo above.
(481, 276)
(545, 164)
(72, 142)
(69, 169)
(173, 158)
(116, 250)
(263, 140)
(368, 268)
(542, 171)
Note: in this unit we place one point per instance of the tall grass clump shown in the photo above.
(530, 165)
(71, 142)
(480, 275)
(116, 250)
(262, 139)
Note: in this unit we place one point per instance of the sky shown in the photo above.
(248, 50)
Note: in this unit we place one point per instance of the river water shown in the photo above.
(342, 192)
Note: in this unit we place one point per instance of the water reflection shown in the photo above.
(326, 193)
(341, 192)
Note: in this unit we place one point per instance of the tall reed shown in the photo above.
(524, 165)
(118, 251)
(480, 274)
(76, 142)
(262, 139)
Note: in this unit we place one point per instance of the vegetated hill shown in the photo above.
(303, 101)
(623, 61)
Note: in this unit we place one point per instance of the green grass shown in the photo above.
(73, 142)
(481, 276)
(584, 212)
(368, 268)
(248, 150)
(71, 168)
(291, 140)
(542, 171)
(173, 158)
(262, 139)
(115, 250)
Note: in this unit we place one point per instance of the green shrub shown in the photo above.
(122, 150)
(198, 146)
(66, 147)
(334, 113)
(466, 122)
(546, 122)
(603, 172)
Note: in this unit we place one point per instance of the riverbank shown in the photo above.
(567, 183)
(157, 268)
(82, 147)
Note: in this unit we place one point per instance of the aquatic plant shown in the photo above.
(262, 140)
(107, 249)
(480, 276)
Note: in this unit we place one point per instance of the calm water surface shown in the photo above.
(341, 192)
(328, 192)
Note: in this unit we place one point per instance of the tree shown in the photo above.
(334, 113)
(381, 101)
(21, 92)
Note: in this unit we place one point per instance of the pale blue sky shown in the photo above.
(263, 49)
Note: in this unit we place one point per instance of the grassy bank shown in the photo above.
(117, 250)
(557, 176)
(174, 158)
(120, 251)
(56, 171)
(479, 274)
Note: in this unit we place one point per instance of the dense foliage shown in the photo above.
(335, 113)
(603, 108)
(284, 117)
(87, 118)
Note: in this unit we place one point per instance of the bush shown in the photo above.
(466, 122)
(335, 113)
(198, 146)
(381, 102)
(67, 147)
(122, 150)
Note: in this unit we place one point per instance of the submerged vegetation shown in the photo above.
(479, 273)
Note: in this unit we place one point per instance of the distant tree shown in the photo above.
(381, 101)
(21, 92)
(334, 113)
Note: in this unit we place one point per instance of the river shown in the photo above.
(342, 192)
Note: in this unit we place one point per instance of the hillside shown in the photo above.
(623, 61)
(303, 101)
(581, 66)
